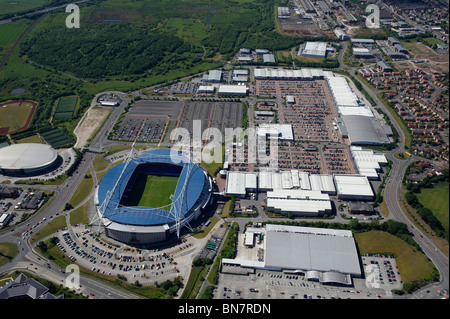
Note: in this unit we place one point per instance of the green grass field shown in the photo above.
(14, 116)
(413, 265)
(152, 191)
(12, 6)
(437, 200)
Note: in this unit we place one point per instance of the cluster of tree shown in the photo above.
(96, 52)
(171, 287)
(252, 26)
(325, 63)
(393, 227)
(425, 213)
(229, 248)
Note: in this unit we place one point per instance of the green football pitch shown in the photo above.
(152, 191)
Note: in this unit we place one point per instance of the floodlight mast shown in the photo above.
(177, 205)
(109, 193)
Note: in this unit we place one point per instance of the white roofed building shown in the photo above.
(298, 202)
(314, 50)
(353, 187)
(328, 256)
(232, 90)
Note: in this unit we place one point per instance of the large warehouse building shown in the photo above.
(314, 50)
(353, 187)
(357, 122)
(325, 255)
(28, 159)
(127, 219)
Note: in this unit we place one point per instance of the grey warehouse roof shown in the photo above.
(311, 249)
(364, 130)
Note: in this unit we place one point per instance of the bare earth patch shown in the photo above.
(90, 123)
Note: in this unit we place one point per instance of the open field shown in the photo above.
(10, 33)
(437, 200)
(56, 137)
(65, 107)
(15, 115)
(90, 124)
(417, 48)
(412, 265)
(7, 252)
(152, 191)
(12, 6)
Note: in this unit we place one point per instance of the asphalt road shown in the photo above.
(63, 193)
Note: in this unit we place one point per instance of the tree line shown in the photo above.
(425, 213)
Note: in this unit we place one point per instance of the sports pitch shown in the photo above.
(152, 191)
(15, 115)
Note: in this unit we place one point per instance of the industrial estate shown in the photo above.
(300, 155)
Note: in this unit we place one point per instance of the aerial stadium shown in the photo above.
(150, 198)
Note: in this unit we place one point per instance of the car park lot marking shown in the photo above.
(83, 248)
(277, 285)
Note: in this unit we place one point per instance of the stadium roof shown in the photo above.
(26, 156)
(189, 188)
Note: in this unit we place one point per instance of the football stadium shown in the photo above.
(150, 198)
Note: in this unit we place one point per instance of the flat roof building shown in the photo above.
(205, 89)
(239, 183)
(214, 76)
(364, 130)
(321, 254)
(268, 58)
(340, 34)
(367, 162)
(353, 187)
(281, 131)
(232, 90)
(314, 50)
(245, 59)
(362, 41)
(362, 53)
(298, 202)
